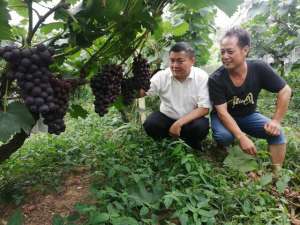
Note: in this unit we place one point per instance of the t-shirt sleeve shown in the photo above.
(270, 80)
(216, 92)
(203, 95)
(155, 82)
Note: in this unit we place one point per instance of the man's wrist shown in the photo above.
(179, 123)
(240, 135)
(277, 120)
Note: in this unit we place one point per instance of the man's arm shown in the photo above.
(283, 99)
(245, 143)
(175, 129)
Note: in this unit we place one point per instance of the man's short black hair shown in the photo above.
(183, 46)
(241, 34)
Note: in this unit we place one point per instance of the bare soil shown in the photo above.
(39, 209)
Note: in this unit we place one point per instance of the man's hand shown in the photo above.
(175, 129)
(142, 93)
(247, 145)
(272, 128)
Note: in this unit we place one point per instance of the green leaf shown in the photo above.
(193, 4)
(144, 211)
(238, 160)
(124, 221)
(18, 31)
(73, 217)
(180, 29)
(227, 6)
(168, 201)
(206, 213)
(77, 111)
(72, 1)
(16, 218)
(57, 220)
(82, 208)
(47, 28)
(259, 8)
(97, 218)
(282, 183)
(22, 115)
(19, 6)
(16, 118)
(5, 33)
(183, 218)
(266, 179)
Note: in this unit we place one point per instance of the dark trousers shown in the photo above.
(157, 126)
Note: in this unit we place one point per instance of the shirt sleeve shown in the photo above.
(203, 95)
(155, 83)
(216, 92)
(270, 80)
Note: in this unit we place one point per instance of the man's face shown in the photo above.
(180, 64)
(232, 55)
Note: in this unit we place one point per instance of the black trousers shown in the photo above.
(157, 126)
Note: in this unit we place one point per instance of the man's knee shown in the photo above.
(223, 137)
(153, 128)
(150, 126)
(202, 127)
(198, 128)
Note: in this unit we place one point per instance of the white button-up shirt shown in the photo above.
(180, 98)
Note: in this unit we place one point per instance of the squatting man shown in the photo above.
(234, 89)
(183, 92)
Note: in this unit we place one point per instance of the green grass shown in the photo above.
(139, 181)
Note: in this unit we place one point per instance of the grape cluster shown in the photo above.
(140, 80)
(38, 87)
(106, 87)
(128, 90)
(55, 119)
(141, 72)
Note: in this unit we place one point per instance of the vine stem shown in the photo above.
(5, 97)
(140, 41)
(29, 5)
(31, 31)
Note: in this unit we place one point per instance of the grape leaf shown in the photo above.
(49, 27)
(5, 33)
(16, 118)
(19, 6)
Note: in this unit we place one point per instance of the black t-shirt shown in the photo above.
(241, 101)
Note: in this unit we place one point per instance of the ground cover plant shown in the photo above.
(138, 181)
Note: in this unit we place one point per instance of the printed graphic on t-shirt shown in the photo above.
(235, 101)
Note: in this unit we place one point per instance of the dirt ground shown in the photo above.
(39, 209)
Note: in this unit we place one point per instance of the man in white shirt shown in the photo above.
(183, 92)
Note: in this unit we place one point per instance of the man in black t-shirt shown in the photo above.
(234, 89)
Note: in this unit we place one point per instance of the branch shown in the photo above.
(42, 19)
(29, 5)
(72, 51)
(52, 39)
(42, 5)
(36, 12)
(290, 30)
(13, 145)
